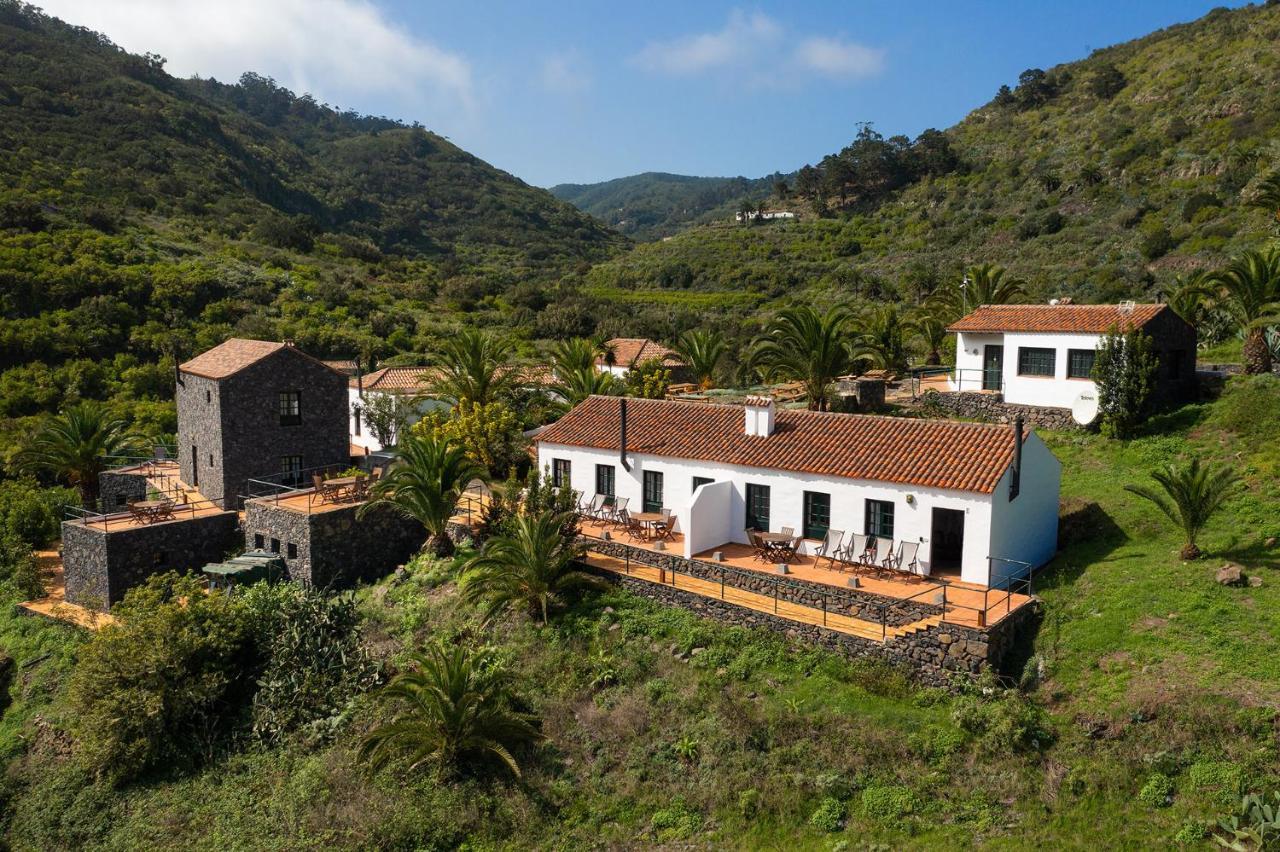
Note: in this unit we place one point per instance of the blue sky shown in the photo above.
(585, 91)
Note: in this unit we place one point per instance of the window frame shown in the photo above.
(561, 473)
(1072, 354)
(812, 530)
(1024, 351)
(699, 481)
(291, 472)
(606, 475)
(651, 494)
(754, 492)
(290, 407)
(876, 514)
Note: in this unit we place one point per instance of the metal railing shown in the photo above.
(949, 379)
(180, 510)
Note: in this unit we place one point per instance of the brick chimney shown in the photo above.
(760, 416)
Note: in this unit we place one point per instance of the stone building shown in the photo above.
(252, 408)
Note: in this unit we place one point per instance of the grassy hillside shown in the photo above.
(1088, 184)
(655, 204)
(1143, 667)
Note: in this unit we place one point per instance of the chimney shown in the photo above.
(622, 433)
(760, 412)
(1015, 484)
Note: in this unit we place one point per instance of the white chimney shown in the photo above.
(760, 415)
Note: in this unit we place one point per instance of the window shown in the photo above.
(652, 491)
(275, 545)
(292, 550)
(604, 481)
(817, 514)
(560, 473)
(355, 421)
(699, 481)
(291, 469)
(880, 518)
(1036, 362)
(208, 395)
(259, 542)
(1080, 363)
(290, 408)
(757, 507)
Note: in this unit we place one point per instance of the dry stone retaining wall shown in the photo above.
(991, 408)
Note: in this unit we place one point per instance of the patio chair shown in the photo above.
(137, 513)
(871, 556)
(850, 555)
(163, 511)
(904, 558)
(788, 531)
(633, 528)
(787, 549)
(830, 547)
(322, 491)
(592, 509)
(618, 514)
(360, 490)
(376, 473)
(667, 525)
(759, 550)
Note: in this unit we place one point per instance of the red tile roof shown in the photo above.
(1064, 319)
(229, 357)
(930, 453)
(398, 379)
(629, 351)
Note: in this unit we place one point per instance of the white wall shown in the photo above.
(708, 522)
(970, 349)
(366, 438)
(1026, 529)
(1059, 392)
(912, 521)
(620, 372)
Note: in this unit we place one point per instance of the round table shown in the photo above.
(776, 541)
(648, 519)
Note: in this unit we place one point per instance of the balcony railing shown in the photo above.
(954, 379)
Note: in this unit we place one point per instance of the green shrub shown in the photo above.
(749, 803)
(1003, 721)
(18, 566)
(1225, 780)
(677, 821)
(1191, 833)
(1157, 792)
(828, 816)
(33, 513)
(888, 803)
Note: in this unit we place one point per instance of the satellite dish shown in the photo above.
(1085, 409)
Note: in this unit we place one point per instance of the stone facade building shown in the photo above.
(252, 408)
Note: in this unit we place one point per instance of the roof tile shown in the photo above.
(1064, 319)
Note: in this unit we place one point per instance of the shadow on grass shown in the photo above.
(1178, 421)
(1086, 535)
(1256, 555)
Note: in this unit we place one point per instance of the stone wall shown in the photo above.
(938, 656)
(991, 408)
(858, 604)
(116, 489)
(101, 565)
(333, 547)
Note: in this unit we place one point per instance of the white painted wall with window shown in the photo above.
(912, 506)
(1023, 378)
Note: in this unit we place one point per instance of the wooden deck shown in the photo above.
(307, 502)
(965, 601)
(54, 604)
(123, 520)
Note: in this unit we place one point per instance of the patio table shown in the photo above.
(648, 519)
(154, 510)
(340, 486)
(775, 541)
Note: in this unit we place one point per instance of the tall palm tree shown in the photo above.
(1190, 292)
(424, 482)
(457, 705)
(577, 385)
(702, 350)
(574, 355)
(804, 346)
(473, 365)
(533, 566)
(1267, 196)
(76, 444)
(931, 330)
(1189, 495)
(883, 338)
(1250, 294)
(981, 284)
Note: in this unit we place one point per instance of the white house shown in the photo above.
(1043, 355)
(981, 501)
(627, 352)
(408, 383)
(767, 215)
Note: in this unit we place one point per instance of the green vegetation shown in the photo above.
(1124, 371)
(802, 345)
(1189, 495)
(78, 445)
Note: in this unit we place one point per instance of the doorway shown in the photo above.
(992, 366)
(946, 542)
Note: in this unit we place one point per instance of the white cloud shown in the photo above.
(839, 58)
(759, 51)
(742, 37)
(563, 74)
(341, 51)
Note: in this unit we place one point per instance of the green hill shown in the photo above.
(655, 204)
(1100, 179)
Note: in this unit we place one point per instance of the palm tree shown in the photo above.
(804, 346)
(883, 338)
(534, 565)
(458, 705)
(1190, 293)
(75, 446)
(931, 331)
(424, 482)
(1267, 196)
(1250, 294)
(1189, 496)
(702, 350)
(474, 366)
(981, 284)
(574, 355)
(579, 384)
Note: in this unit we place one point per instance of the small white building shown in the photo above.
(1043, 355)
(410, 384)
(765, 215)
(981, 500)
(627, 352)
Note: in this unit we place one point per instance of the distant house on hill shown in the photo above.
(762, 215)
(626, 352)
(1042, 355)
